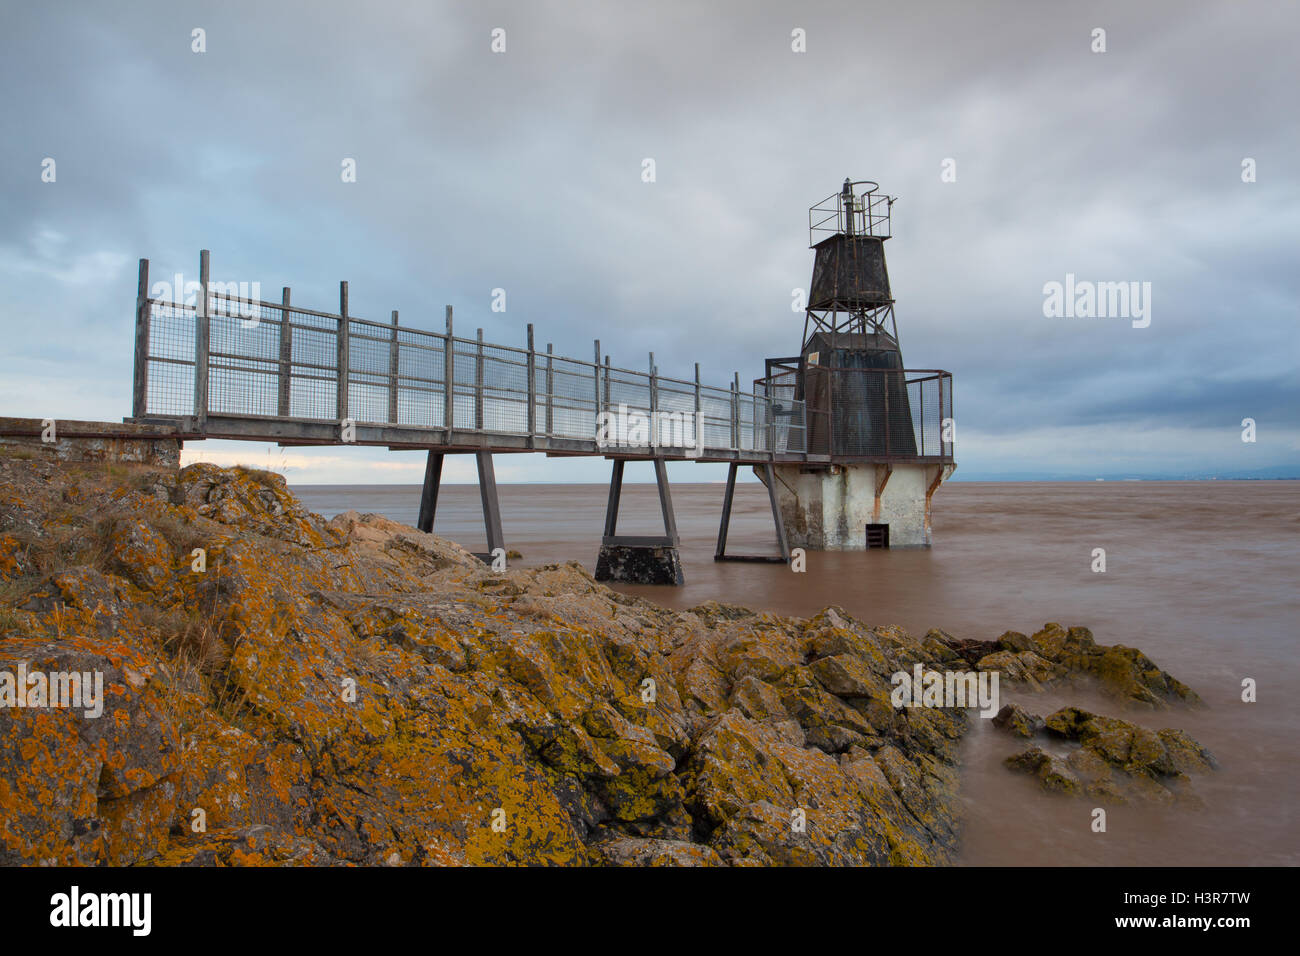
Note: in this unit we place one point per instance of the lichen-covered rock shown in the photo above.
(1015, 642)
(634, 851)
(1055, 654)
(1023, 667)
(1016, 720)
(1123, 673)
(279, 689)
(1116, 760)
(88, 771)
(1183, 754)
(1053, 772)
(285, 690)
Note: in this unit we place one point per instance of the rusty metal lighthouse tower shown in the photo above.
(883, 432)
(850, 282)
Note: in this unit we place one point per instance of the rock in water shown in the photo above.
(1016, 720)
(1116, 761)
(1055, 654)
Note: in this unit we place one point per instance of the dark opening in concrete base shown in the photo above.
(635, 564)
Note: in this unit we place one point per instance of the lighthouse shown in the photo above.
(879, 437)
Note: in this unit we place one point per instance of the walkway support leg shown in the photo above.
(615, 492)
(666, 501)
(487, 489)
(769, 478)
(720, 552)
(782, 543)
(429, 494)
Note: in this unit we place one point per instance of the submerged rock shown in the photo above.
(1016, 720)
(1116, 760)
(1053, 772)
(1057, 655)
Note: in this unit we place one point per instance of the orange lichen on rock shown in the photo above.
(281, 689)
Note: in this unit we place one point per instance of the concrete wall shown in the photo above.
(829, 508)
(90, 441)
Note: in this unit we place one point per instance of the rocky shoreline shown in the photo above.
(283, 689)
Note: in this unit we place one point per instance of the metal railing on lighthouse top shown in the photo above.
(864, 212)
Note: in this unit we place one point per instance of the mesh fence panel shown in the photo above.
(243, 358)
(267, 360)
(313, 382)
(502, 374)
(572, 399)
(170, 384)
(420, 371)
(860, 412)
(369, 372)
(715, 417)
(674, 421)
(783, 416)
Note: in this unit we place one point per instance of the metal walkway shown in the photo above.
(247, 369)
(211, 361)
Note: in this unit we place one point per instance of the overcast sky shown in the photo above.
(522, 170)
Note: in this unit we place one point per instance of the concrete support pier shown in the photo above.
(636, 559)
(852, 507)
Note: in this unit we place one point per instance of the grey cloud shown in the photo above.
(521, 171)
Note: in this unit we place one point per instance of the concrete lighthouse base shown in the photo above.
(842, 507)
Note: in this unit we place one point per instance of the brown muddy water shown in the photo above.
(1200, 575)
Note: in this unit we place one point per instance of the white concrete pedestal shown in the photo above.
(828, 507)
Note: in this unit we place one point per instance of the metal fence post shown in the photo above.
(764, 402)
(394, 370)
(344, 355)
(478, 383)
(920, 400)
(531, 417)
(595, 374)
(449, 378)
(140, 384)
(654, 403)
(735, 413)
(201, 338)
(699, 412)
(946, 413)
(286, 355)
(770, 416)
(607, 373)
(550, 389)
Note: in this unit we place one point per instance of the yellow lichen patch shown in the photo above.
(9, 551)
